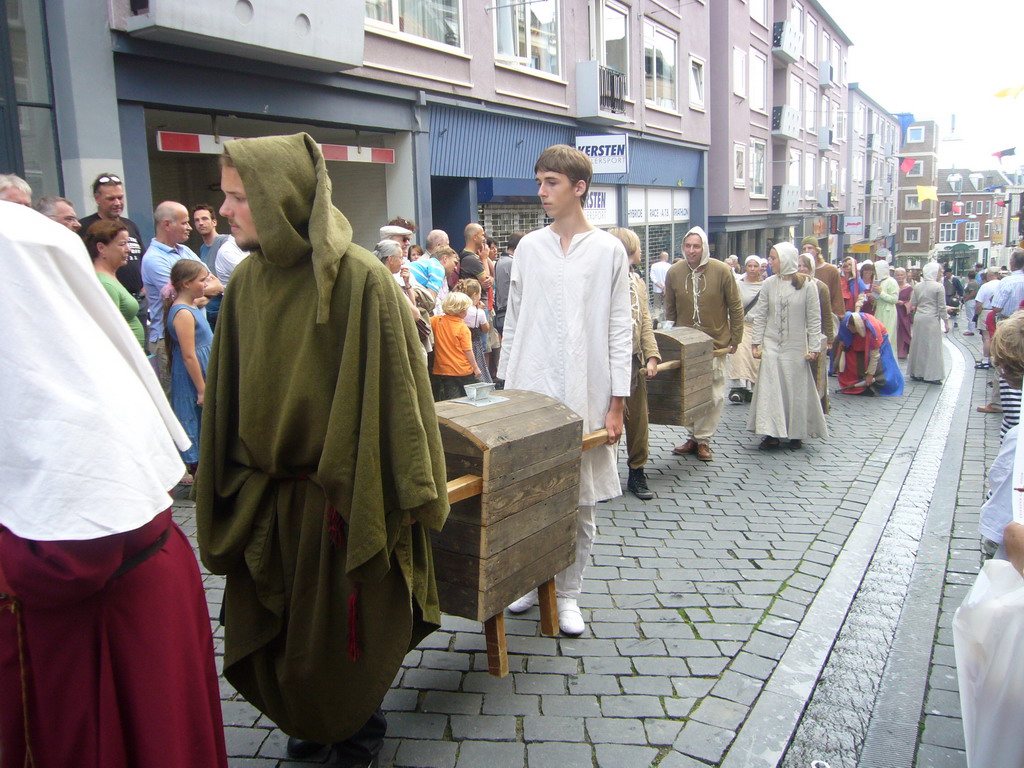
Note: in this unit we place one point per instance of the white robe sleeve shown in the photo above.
(620, 329)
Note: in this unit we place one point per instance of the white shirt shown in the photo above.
(986, 293)
(568, 335)
(659, 270)
(229, 256)
(997, 512)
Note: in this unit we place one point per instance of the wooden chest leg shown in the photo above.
(548, 609)
(497, 646)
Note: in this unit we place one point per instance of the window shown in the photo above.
(758, 164)
(988, 231)
(739, 72)
(696, 83)
(988, 206)
(759, 11)
(527, 35)
(739, 166)
(841, 123)
(911, 203)
(614, 22)
(811, 41)
(793, 168)
(440, 21)
(858, 167)
(971, 231)
(858, 120)
(915, 134)
(808, 175)
(912, 235)
(970, 208)
(947, 233)
(826, 46)
(945, 206)
(917, 169)
(796, 17)
(810, 99)
(758, 80)
(796, 92)
(659, 66)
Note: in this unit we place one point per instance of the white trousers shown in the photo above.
(569, 583)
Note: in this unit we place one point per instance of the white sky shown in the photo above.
(937, 58)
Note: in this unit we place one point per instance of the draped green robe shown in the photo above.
(317, 400)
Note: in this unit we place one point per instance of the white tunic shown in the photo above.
(787, 325)
(568, 335)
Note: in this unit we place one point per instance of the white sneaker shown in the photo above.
(524, 603)
(570, 620)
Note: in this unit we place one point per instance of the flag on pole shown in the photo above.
(1001, 203)
(907, 165)
(958, 207)
(1005, 153)
(1008, 93)
(927, 193)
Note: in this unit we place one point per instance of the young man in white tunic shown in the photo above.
(568, 335)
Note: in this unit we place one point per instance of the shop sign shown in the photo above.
(636, 205)
(602, 206)
(680, 205)
(608, 153)
(659, 206)
(854, 225)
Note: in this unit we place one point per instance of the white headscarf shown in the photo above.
(931, 271)
(697, 280)
(881, 270)
(788, 258)
(86, 434)
(756, 259)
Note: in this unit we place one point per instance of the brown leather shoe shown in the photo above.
(690, 446)
(704, 452)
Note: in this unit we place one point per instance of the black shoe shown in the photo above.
(637, 484)
(796, 445)
(768, 443)
(300, 749)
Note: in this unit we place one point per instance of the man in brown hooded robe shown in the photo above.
(321, 462)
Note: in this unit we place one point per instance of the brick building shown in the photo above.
(917, 222)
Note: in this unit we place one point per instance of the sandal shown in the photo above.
(982, 366)
(989, 409)
(768, 444)
(186, 479)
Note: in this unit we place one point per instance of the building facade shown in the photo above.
(435, 110)
(872, 141)
(917, 220)
(777, 167)
(970, 224)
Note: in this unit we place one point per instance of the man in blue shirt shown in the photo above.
(427, 271)
(172, 229)
(1010, 293)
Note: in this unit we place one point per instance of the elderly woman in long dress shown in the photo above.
(819, 367)
(903, 312)
(786, 335)
(928, 306)
(741, 367)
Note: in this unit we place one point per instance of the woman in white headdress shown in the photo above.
(928, 306)
(786, 335)
(106, 655)
(741, 367)
(886, 293)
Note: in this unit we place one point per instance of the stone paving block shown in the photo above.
(617, 756)
(466, 642)
(715, 631)
(939, 702)
(784, 609)
(240, 713)
(664, 629)
(483, 727)
(931, 756)
(690, 648)
(607, 665)
(543, 728)
(487, 754)
(721, 713)
(483, 682)
(400, 700)
(611, 630)
(767, 645)
(552, 665)
(251, 762)
(943, 732)
(637, 601)
(660, 665)
(943, 678)
(595, 685)
(588, 647)
(275, 745)
(450, 702)
(244, 742)
(509, 704)
(679, 760)
(704, 742)
(707, 667)
(735, 616)
(437, 640)
(647, 685)
(632, 706)
(638, 647)
(425, 754)
(570, 706)
(417, 725)
(753, 666)
(662, 732)
(532, 646)
(432, 679)
(606, 730)
(561, 755)
(444, 660)
(528, 683)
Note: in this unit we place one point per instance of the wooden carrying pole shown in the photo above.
(467, 486)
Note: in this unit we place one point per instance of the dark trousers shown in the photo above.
(365, 743)
(634, 417)
(451, 387)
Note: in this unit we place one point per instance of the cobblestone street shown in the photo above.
(766, 609)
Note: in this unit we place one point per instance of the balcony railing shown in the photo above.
(785, 198)
(825, 139)
(785, 122)
(787, 41)
(613, 90)
(600, 93)
(826, 77)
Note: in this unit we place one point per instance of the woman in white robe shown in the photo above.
(928, 307)
(786, 335)
(741, 367)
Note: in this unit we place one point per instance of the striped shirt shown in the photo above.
(1009, 400)
(428, 272)
(1010, 294)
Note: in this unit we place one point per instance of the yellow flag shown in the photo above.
(927, 193)
(1010, 93)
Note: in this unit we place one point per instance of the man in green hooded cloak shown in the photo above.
(321, 466)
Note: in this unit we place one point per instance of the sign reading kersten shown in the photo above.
(607, 152)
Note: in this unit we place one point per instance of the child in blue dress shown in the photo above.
(188, 339)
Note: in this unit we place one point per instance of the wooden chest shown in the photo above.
(520, 529)
(682, 389)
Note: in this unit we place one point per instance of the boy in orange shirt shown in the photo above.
(454, 362)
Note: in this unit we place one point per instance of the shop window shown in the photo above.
(527, 34)
(437, 20)
(660, 57)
